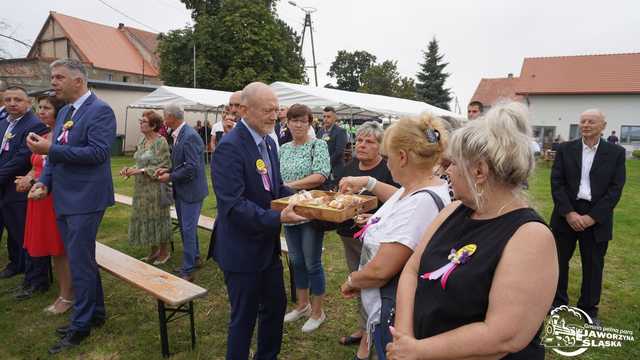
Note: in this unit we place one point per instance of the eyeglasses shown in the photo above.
(234, 104)
(143, 121)
(299, 121)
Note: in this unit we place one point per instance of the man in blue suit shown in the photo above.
(189, 184)
(15, 161)
(78, 173)
(246, 175)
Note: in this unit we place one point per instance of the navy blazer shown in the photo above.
(247, 231)
(17, 161)
(187, 172)
(78, 173)
(607, 178)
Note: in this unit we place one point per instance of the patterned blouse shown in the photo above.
(300, 161)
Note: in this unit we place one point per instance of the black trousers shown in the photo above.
(592, 255)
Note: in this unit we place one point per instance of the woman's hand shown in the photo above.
(353, 184)
(123, 172)
(403, 347)
(23, 183)
(361, 220)
(348, 291)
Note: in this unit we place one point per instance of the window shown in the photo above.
(125, 79)
(574, 132)
(629, 134)
(544, 135)
(109, 77)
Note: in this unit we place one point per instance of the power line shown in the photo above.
(16, 40)
(127, 16)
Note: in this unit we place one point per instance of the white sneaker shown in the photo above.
(296, 314)
(313, 324)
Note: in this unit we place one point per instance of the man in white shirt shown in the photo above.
(586, 183)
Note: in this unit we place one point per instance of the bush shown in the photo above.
(636, 154)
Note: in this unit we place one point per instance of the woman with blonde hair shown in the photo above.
(413, 147)
(484, 276)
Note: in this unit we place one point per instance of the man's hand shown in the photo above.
(38, 191)
(38, 144)
(23, 183)
(575, 221)
(403, 347)
(348, 291)
(164, 177)
(587, 221)
(289, 216)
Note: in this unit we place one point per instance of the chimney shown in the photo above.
(120, 26)
(510, 75)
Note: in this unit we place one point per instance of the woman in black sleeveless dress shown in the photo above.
(482, 280)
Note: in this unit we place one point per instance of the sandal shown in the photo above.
(162, 261)
(350, 340)
(52, 309)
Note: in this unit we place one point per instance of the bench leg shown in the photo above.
(164, 339)
(292, 282)
(193, 326)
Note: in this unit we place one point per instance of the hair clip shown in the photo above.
(433, 136)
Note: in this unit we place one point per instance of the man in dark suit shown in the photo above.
(15, 161)
(586, 183)
(336, 138)
(189, 184)
(246, 243)
(78, 174)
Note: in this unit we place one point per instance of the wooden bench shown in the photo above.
(174, 295)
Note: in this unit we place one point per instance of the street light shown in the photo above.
(307, 22)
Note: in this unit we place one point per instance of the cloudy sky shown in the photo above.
(479, 38)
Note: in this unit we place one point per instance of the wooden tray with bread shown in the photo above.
(327, 205)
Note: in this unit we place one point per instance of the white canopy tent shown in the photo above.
(355, 104)
(193, 100)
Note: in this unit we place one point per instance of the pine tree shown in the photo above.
(431, 78)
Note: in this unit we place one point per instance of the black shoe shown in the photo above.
(595, 321)
(95, 323)
(8, 273)
(70, 339)
(29, 292)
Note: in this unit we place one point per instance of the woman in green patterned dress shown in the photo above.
(305, 165)
(150, 223)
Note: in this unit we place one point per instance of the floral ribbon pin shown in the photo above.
(64, 137)
(8, 136)
(262, 170)
(360, 234)
(456, 258)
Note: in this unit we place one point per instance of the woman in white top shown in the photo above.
(413, 147)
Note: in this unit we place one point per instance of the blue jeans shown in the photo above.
(305, 251)
(188, 215)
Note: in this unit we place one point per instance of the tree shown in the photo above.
(237, 42)
(384, 79)
(431, 78)
(349, 67)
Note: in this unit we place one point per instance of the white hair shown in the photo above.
(174, 109)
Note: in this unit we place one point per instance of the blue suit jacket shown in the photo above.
(78, 173)
(247, 231)
(16, 161)
(187, 173)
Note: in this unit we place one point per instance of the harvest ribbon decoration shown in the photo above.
(456, 258)
(64, 137)
(262, 170)
(8, 136)
(360, 234)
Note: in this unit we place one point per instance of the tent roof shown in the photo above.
(191, 99)
(358, 104)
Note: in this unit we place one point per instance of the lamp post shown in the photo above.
(307, 23)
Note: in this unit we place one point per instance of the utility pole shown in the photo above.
(308, 23)
(194, 64)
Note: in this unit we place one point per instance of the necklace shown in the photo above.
(504, 206)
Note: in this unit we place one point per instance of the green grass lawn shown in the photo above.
(131, 331)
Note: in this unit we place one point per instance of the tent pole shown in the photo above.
(126, 120)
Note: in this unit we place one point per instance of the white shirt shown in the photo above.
(12, 124)
(176, 132)
(401, 221)
(215, 128)
(76, 104)
(588, 154)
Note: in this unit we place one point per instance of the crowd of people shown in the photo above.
(454, 254)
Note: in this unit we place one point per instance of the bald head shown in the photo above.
(234, 103)
(259, 106)
(592, 125)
